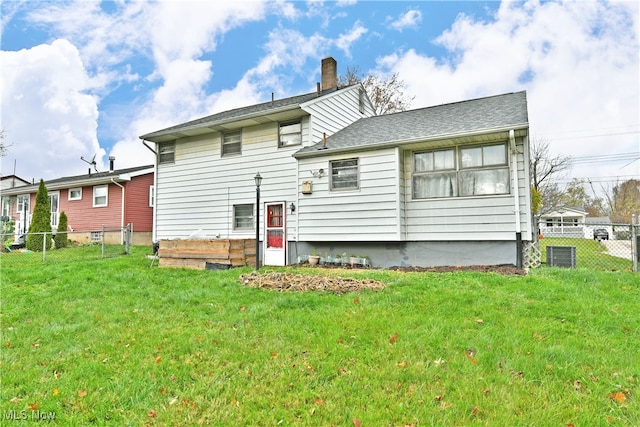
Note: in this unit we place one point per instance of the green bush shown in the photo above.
(61, 240)
(40, 222)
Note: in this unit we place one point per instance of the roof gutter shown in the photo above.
(396, 143)
(178, 130)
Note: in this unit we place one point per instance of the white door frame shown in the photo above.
(274, 245)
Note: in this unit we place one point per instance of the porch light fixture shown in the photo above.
(292, 206)
(258, 181)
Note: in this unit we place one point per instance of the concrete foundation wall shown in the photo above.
(417, 254)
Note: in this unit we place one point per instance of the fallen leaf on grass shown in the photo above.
(34, 406)
(393, 338)
(578, 386)
(152, 414)
(14, 400)
(158, 359)
(402, 364)
(356, 422)
(82, 393)
(618, 396)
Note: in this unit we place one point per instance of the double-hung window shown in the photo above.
(100, 194)
(463, 171)
(167, 152)
(232, 143)
(243, 217)
(344, 174)
(290, 134)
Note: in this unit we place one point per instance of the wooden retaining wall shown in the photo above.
(196, 253)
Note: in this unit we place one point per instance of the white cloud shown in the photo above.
(345, 40)
(578, 62)
(52, 126)
(410, 19)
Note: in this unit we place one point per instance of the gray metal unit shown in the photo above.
(561, 256)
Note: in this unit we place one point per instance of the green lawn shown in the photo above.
(589, 254)
(115, 342)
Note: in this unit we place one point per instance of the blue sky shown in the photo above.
(82, 77)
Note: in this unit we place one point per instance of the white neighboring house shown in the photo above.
(572, 222)
(445, 185)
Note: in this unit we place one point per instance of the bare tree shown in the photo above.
(3, 147)
(387, 96)
(546, 170)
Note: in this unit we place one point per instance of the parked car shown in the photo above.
(600, 234)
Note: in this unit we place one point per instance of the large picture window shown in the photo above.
(243, 217)
(344, 174)
(290, 134)
(465, 171)
(232, 143)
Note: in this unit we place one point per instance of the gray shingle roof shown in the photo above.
(494, 112)
(70, 181)
(238, 113)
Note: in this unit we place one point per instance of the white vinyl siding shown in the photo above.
(200, 190)
(336, 111)
(368, 214)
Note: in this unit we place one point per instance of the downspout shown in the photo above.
(154, 233)
(516, 197)
(122, 212)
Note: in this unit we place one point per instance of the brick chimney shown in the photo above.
(329, 71)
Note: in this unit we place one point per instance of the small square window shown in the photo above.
(75, 193)
(290, 134)
(96, 236)
(243, 217)
(232, 143)
(167, 152)
(100, 196)
(344, 174)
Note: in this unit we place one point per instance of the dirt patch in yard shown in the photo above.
(308, 282)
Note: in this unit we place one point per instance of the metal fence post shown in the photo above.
(634, 242)
(102, 240)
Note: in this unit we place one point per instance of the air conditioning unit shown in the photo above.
(561, 256)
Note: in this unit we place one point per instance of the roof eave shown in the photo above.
(398, 143)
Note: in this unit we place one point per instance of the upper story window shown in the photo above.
(75, 193)
(232, 143)
(290, 134)
(167, 152)
(466, 171)
(344, 174)
(100, 195)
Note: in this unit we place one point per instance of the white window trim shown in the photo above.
(253, 217)
(79, 189)
(106, 197)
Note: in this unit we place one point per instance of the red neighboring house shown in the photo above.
(112, 199)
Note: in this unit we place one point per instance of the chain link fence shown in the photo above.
(601, 246)
(68, 246)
